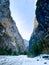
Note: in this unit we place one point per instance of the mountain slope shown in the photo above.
(26, 43)
(11, 38)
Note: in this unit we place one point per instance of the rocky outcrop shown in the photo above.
(9, 35)
(41, 26)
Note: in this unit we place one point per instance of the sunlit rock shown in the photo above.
(12, 38)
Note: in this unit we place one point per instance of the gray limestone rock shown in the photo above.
(11, 38)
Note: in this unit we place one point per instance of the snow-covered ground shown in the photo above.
(23, 60)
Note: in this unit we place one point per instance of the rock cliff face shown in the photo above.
(41, 26)
(9, 34)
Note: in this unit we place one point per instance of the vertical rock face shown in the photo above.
(42, 13)
(41, 30)
(9, 35)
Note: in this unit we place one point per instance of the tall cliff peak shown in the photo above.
(42, 13)
(39, 40)
(9, 35)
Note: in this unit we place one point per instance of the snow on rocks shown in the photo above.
(23, 60)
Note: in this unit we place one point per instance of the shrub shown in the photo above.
(34, 49)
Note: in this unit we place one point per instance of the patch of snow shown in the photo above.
(23, 60)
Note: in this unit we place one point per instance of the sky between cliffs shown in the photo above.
(23, 12)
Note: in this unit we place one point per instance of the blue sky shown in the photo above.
(23, 12)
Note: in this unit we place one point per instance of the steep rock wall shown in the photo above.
(10, 34)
